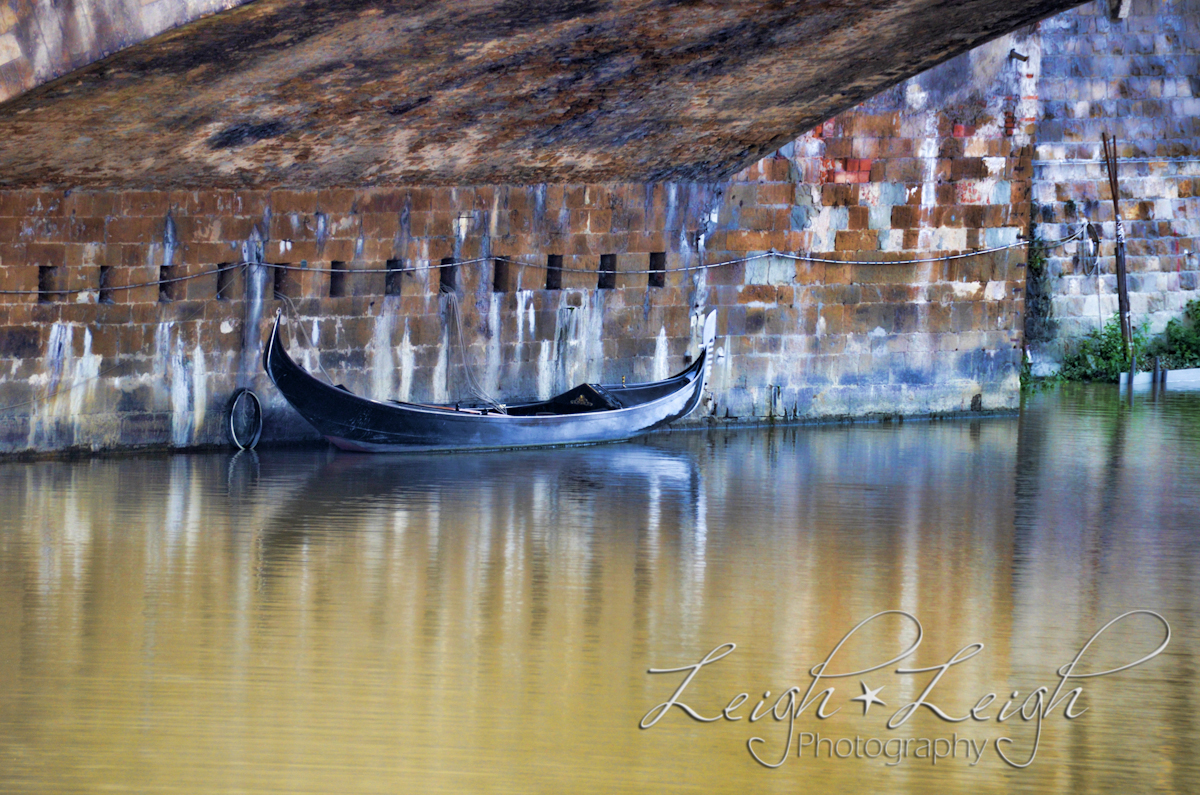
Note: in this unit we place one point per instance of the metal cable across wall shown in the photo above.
(948, 256)
(521, 263)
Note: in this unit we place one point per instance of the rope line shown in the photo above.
(60, 389)
(513, 261)
(476, 389)
(1079, 161)
(138, 286)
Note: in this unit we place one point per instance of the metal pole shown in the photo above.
(1123, 291)
(1110, 157)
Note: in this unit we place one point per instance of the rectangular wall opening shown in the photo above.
(501, 276)
(448, 277)
(166, 284)
(225, 281)
(658, 269)
(104, 285)
(607, 278)
(337, 279)
(395, 272)
(286, 283)
(554, 271)
(48, 277)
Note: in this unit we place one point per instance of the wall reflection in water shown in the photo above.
(312, 622)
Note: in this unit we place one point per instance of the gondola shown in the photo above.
(587, 414)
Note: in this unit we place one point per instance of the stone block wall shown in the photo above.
(1137, 79)
(95, 354)
(934, 174)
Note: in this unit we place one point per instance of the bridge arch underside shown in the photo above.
(353, 93)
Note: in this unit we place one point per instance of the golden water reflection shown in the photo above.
(319, 622)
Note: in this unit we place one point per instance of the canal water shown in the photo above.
(336, 623)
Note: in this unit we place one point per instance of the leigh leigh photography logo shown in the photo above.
(1043, 703)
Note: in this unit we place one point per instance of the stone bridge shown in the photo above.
(217, 93)
(549, 193)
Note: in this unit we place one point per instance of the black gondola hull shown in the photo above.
(356, 423)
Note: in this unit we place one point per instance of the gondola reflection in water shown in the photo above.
(587, 414)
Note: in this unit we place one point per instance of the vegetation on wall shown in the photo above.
(1101, 356)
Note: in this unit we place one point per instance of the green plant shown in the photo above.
(1178, 347)
(1100, 355)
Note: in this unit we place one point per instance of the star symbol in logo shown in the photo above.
(869, 697)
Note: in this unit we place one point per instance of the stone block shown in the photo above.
(866, 240)
(154, 204)
(333, 201)
(775, 194)
(285, 201)
(859, 218)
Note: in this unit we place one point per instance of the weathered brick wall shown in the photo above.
(935, 168)
(155, 365)
(1137, 79)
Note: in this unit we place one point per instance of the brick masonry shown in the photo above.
(109, 367)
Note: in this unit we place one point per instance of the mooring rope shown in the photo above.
(294, 314)
(476, 389)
